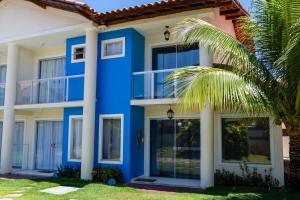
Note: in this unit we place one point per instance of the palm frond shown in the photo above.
(223, 90)
(222, 45)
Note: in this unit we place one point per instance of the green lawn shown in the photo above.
(98, 191)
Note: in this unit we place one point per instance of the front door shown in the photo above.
(49, 145)
(175, 148)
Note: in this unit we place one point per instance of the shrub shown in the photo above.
(248, 178)
(102, 175)
(68, 171)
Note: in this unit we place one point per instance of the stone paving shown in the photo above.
(60, 190)
(16, 194)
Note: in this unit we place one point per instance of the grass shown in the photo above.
(98, 191)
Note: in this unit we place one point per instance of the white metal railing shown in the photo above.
(49, 90)
(153, 84)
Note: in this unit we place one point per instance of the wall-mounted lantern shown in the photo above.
(170, 113)
(167, 34)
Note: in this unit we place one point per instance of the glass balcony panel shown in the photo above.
(153, 85)
(53, 90)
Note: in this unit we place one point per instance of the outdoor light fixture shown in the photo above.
(167, 34)
(170, 113)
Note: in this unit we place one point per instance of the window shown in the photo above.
(175, 56)
(111, 139)
(75, 138)
(78, 53)
(246, 140)
(113, 48)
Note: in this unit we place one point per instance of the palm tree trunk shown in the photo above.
(294, 177)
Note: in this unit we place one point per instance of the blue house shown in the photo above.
(88, 89)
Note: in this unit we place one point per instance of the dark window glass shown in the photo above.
(111, 139)
(246, 140)
(79, 53)
(176, 56)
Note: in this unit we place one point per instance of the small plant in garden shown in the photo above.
(68, 171)
(248, 178)
(107, 175)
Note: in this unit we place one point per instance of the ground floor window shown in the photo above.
(75, 138)
(246, 140)
(111, 142)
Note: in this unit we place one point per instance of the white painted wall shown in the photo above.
(19, 19)
(276, 143)
(28, 66)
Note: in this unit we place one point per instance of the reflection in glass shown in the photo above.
(246, 139)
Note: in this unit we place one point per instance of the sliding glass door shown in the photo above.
(49, 145)
(51, 90)
(175, 148)
(18, 145)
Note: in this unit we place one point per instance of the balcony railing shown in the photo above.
(153, 85)
(50, 90)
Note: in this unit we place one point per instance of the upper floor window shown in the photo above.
(78, 53)
(113, 48)
(246, 140)
(175, 56)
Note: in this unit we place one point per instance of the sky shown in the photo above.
(107, 5)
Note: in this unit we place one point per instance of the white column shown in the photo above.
(207, 134)
(89, 104)
(9, 114)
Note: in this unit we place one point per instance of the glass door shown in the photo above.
(51, 90)
(175, 148)
(188, 148)
(18, 144)
(165, 58)
(48, 145)
(162, 148)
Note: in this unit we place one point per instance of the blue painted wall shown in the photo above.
(67, 113)
(114, 89)
(76, 85)
(114, 80)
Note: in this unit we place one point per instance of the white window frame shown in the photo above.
(71, 118)
(100, 146)
(221, 162)
(73, 51)
(115, 40)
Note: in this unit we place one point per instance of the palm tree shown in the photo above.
(259, 73)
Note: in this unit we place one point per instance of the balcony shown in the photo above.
(149, 85)
(50, 90)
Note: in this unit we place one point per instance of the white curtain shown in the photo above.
(51, 68)
(114, 48)
(2, 80)
(111, 139)
(18, 144)
(49, 145)
(76, 139)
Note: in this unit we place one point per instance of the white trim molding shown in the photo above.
(100, 146)
(71, 118)
(73, 48)
(110, 41)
